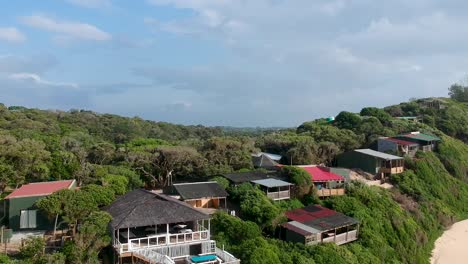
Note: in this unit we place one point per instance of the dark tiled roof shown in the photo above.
(199, 190)
(320, 218)
(241, 177)
(145, 208)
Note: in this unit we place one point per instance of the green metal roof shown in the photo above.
(422, 137)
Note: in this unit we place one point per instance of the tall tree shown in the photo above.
(160, 165)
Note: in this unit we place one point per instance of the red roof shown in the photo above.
(40, 189)
(401, 142)
(319, 174)
(309, 213)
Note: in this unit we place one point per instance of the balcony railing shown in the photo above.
(279, 195)
(330, 192)
(226, 257)
(161, 240)
(342, 238)
(393, 170)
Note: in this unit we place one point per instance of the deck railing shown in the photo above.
(342, 238)
(227, 257)
(161, 240)
(279, 195)
(330, 192)
(393, 170)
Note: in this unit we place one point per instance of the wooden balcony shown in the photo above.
(330, 192)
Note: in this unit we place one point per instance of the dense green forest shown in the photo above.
(109, 155)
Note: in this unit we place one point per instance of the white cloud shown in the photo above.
(76, 30)
(11, 34)
(35, 78)
(91, 3)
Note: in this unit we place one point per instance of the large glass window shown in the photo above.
(28, 219)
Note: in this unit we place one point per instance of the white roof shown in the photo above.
(378, 154)
(270, 183)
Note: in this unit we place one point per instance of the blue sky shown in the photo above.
(229, 62)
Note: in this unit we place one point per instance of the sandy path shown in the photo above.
(452, 246)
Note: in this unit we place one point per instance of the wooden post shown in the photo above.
(128, 239)
(167, 234)
(347, 230)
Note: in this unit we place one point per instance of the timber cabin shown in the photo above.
(204, 195)
(157, 229)
(326, 183)
(21, 211)
(315, 224)
(275, 189)
(380, 164)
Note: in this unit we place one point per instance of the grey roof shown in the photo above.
(270, 183)
(241, 177)
(263, 161)
(198, 190)
(378, 154)
(145, 208)
(304, 227)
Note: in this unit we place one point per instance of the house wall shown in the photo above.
(292, 236)
(358, 160)
(205, 203)
(15, 205)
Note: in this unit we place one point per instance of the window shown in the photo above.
(28, 218)
(310, 239)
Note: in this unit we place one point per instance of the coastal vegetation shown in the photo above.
(109, 155)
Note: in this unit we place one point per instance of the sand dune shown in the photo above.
(452, 246)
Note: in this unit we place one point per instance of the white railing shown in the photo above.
(279, 195)
(154, 257)
(226, 257)
(341, 238)
(161, 240)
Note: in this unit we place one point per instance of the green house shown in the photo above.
(21, 212)
(374, 162)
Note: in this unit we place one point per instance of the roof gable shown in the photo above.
(40, 189)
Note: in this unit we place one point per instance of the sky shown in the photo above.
(229, 62)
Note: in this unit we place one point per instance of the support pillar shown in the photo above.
(334, 238)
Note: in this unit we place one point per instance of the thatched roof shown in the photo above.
(145, 208)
